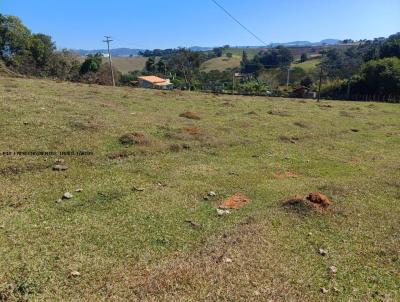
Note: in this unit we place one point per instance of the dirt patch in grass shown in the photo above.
(192, 130)
(134, 138)
(316, 200)
(285, 175)
(252, 113)
(188, 134)
(287, 139)
(190, 115)
(228, 104)
(86, 125)
(302, 125)
(179, 147)
(325, 106)
(278, 113)
(16, 170)
(119, 155)
(236, 201)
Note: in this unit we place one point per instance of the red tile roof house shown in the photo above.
(155, 83)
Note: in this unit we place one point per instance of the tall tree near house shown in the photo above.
(151, 64)
(245, 60)
(162, 67)
(185, 63)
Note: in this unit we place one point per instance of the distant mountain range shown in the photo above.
(126, 52)
(117, 52)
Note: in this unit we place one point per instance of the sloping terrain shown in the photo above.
(142, 224)
(126, 65)
(221, 63)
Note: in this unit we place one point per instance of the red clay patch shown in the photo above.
(192, 130)
(190, 115)
(285, 175)
(319, 200)
(236, 201)
(314, 200)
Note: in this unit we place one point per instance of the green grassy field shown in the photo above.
(127, 233)
(308, 65)
(221, 63)
(251, 52)
(125, 64)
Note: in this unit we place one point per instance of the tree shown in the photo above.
(92, 63)
(306, 82)
(151, 64)
(14, 38)
(278, 57)
(341, 64)
(42, 48)
(185, 63)
(245, 60)
(347, 41)
(218, 51)
(64, 65)
(379, 77)
(391, 47)
(162, 67)
(125, 79)
(303, 57)
(229, 55)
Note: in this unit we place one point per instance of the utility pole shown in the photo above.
(233, 83)
(319, 85)
(108, 40)
(320, 76)
(288, 78)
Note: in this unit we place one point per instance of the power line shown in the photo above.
(238, 22)
(108, 40)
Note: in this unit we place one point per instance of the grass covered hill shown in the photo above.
(142, 226)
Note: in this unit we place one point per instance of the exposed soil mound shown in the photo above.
(325, 106)
(134, 138)
(252, 113)
(302, 125)
(287, 139)
(190, 115)
(192, 130)
(119, 155)
(319, 200)
(236, 201)
(285, 175)
(179, 147)
(187, 134)
(278, 113)
(316, 200)
(228, 104)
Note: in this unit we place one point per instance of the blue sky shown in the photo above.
(172, 23)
